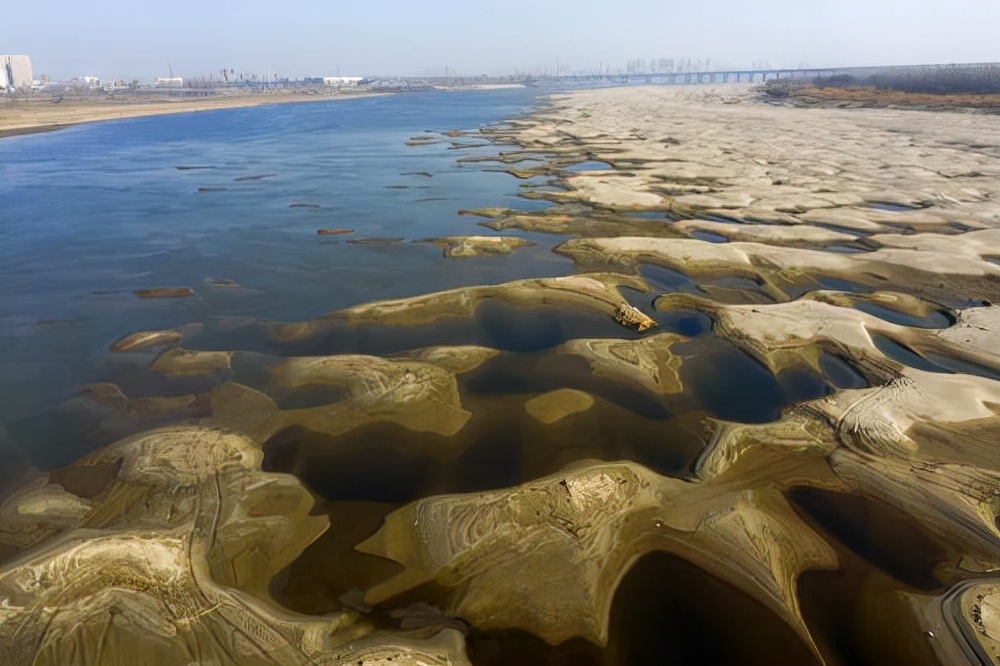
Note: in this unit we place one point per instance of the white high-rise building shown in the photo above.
(15, 72)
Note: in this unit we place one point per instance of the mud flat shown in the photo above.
(756, 423)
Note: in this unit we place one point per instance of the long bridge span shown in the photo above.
(755, 75)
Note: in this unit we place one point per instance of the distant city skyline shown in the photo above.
(296, 38)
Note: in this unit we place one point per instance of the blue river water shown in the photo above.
(91, 213)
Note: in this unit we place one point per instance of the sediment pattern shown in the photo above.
(774, 357)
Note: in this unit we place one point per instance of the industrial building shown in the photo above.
(15, 72)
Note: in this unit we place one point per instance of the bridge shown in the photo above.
(734, 76)
(751, 75)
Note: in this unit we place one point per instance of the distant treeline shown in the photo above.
(973, 79)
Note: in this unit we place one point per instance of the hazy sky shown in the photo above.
(137, 38)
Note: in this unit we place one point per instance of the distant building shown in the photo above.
(15, 72)
(172, 81)
(342, 80)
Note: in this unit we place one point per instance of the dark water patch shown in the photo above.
(840, 373)
(952, 364)
(733, 386)
(803, 381)
(655, 215)
(670, 450)
(666, 611)
(505, 446)
(690, 323)
(193, 168)
(642, 300)
(897, 351)
(305, 205)
(840, 284)
(669, 611)
(857, 615)
(857, 233)
(255, 371)
(509, 328)
(500, 446)
(826, 282)
(382, 462)
(330, 566)
(708, 236)
(589, 165)
(934, 319)
(211, 189)
(892, 207)
(717, 217)
(733, 290)
(879, 533)
(665, 279)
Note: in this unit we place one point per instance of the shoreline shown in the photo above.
(20, 118)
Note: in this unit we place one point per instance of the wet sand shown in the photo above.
(28, 117)
(763, 415)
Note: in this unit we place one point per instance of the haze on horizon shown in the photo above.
(295, 38)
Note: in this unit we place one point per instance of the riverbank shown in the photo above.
(30, 116)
